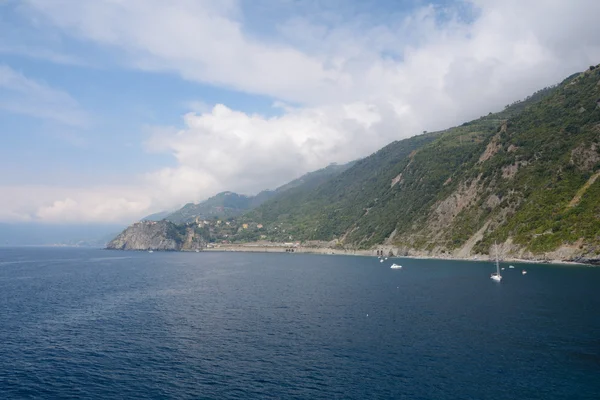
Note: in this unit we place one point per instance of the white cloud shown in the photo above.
(42, 54)
(202, 40)
(22, 95)
(355, 86)
(229, 150)
(103, 204)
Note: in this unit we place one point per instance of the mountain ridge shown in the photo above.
(526, 176)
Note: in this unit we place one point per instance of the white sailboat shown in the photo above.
(496, 277)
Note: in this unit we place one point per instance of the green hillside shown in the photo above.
(527, 177)
(228, 204)
(508, 176)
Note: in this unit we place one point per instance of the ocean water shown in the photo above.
(96, 324)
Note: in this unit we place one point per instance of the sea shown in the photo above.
(97, 324)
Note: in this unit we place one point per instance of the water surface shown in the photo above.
(84, 323)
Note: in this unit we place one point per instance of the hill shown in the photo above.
(222, 205)
(526, 177)
(202, 223)
(229, 204)
(161, 235)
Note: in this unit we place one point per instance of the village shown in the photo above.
(218, 232)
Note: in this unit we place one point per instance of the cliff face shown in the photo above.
(161, 235)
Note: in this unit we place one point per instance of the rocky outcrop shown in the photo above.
(161, 235)
(493, 146)
(586, 157)
(445, 211)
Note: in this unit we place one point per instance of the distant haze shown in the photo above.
(57, 234)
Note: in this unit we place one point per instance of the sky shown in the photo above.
(114, 109)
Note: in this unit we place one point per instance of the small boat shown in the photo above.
(524, 272)
(502, 268)
(381, 260)
(385, 258)
(150, 251)
(511, 266)
(496, 277)
(197, 251)
(396, 266)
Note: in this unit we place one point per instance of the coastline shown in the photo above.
(280, 248)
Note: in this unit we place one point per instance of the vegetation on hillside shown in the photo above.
(513, 173)
(528, 176)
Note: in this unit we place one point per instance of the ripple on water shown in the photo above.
(91, 324)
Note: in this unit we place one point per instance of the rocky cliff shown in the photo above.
(161, 235)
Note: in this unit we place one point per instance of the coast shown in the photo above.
(385, 251)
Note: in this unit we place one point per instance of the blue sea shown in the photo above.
(98, 324)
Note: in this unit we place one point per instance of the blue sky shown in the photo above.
(113, 110)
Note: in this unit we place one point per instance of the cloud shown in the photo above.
(317, 63)
(22, 95)
(230, 150)
(102, 204)
(202, 40)
(355, 84)
(43, 54)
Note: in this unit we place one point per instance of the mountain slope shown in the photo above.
(229, 204)
(526, 176)
(157, 216)
(180, 227)
(364, 204)
(222, 205)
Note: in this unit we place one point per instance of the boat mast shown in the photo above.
(497, 262)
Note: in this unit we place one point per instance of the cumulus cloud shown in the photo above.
(230, 150)
(355, 86)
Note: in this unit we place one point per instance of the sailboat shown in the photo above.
(496, 275)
